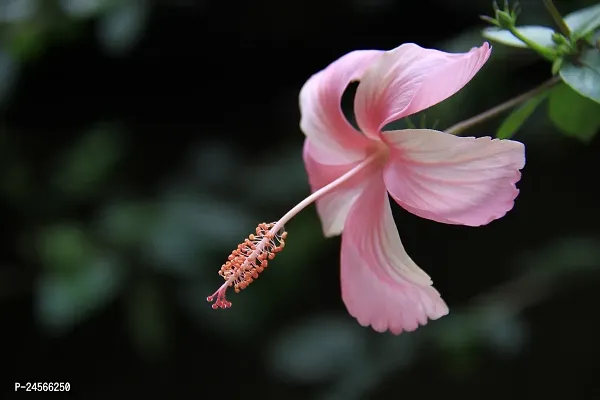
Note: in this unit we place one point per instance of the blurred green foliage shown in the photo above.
(517, 118)
(160, 252)
(576, 58)
(66, 299)
(573, 114)
(30, 25)
(83, 169)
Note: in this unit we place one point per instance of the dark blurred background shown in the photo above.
(141, 141)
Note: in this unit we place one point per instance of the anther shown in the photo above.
(248, 261)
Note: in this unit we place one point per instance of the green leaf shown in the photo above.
(26, 41)
(583, 76)
(128, 223)
(423, 121)
(505, 332)
(317, 350)
(63, 248)
(584, 21)
(187, 229)
(62, 301)
(573, 114)
(120, 29)
(86, 165)
(83, 9)
(539, 34)
(9, 71)
(563, 256)
(515, 120)
(17, 11)
(147, 318)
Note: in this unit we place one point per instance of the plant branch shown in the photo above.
(558, 19)
(546, 52)
(507, 105)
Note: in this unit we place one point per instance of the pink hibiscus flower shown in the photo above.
(435, 175)
(442, 177)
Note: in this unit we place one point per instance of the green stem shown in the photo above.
(558, 19)
(507, 105)
(546, 52)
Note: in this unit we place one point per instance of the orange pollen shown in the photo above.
(247, 261)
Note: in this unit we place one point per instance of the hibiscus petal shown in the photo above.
(334, 140)
(456, 180)
(409, 79)
(381, 284)
(333, 207)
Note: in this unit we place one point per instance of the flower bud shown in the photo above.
(556, 65)
(559, 39)
(505, 19)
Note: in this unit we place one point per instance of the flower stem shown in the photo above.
(458, 128)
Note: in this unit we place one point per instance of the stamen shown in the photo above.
(252, 256)
(248, 260)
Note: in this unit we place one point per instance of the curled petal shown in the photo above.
(334, 140)
(381, 285)
(409, 79)
(333, 207)
(456, 180)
